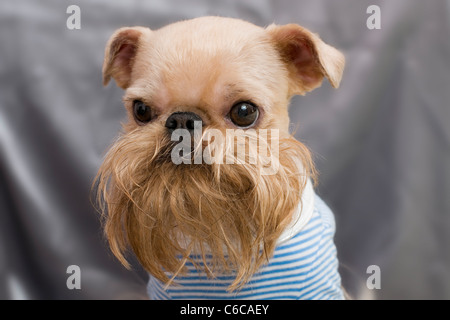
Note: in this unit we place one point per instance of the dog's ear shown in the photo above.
(307, 57)
(120, 52)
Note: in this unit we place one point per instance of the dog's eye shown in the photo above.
(142, 112)
(244, 114)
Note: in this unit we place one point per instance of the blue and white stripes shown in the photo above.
(304, 266)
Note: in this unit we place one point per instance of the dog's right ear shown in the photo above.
(120, 53)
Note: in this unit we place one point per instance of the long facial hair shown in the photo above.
(168, 213)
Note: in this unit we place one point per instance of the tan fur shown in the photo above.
(165, 212)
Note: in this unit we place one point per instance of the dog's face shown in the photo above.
(228, 74)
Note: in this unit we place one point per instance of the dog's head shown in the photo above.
(231, 81)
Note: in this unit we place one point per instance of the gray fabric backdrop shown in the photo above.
(381, 142)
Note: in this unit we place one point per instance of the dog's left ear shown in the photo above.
(307, 57)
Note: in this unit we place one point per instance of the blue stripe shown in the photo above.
(294, 253)
(257, 286)
(249, 287)
(319, 277)
(164, 294)
(262, 283)
(293, 243)
(297, 257)
(230, 278)
(198, 258)
(238, 296)
(303, 267)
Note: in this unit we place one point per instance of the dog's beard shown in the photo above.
(168, 213)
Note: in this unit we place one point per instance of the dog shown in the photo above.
(219, 227)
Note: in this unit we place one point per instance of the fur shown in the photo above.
(165, 212)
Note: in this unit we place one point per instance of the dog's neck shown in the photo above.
(302, 214)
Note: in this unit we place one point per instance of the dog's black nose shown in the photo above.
(182, 120)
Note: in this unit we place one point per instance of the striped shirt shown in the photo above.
(304, 265)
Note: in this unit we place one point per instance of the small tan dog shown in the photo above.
(220, 229)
